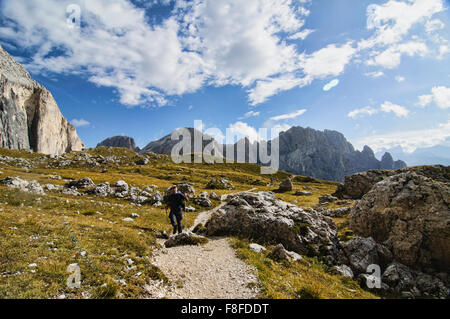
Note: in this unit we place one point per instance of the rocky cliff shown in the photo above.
(304, 151)
(29, 116)
(327, 155)
(120, 141)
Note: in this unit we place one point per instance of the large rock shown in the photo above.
(357, 185)
(29, 116)
(260, 217)
(410, 214)
(286, 185)
(362, 252)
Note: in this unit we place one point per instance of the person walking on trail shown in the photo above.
(175, 202)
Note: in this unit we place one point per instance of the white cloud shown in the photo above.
(398, 110)
(375, 74)
(400, 79)
(201, 43)
(394, 19)
(244, 130)
(269, 87)
(301, 35)
(249, 114)
(434, 25)
(408, 140)
(368, 110)
(443, 50)
(79, 123)
(330, 85)
(330, 60)
(288, 116)
(439, 94)
(391, 57)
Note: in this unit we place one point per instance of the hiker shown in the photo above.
(175, 202)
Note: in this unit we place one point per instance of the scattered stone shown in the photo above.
(23, 185)
(214, 196)
(185, 239)
(301, 193)
(128, 220)
(219, 183)
(189, 209)
(342, 270)
(257, 248)
(279, 253)
(85, 182)
(102, 190)
(338, 212)
(327, 199)
(122, 185)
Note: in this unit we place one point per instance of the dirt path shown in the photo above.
(212, 271)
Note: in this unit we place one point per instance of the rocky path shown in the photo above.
(212, 271)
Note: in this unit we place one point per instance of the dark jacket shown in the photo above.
(176, 202)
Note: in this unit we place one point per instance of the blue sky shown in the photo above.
(377, 71)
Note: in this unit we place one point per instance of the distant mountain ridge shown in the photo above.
(120, 141)
(303, 151)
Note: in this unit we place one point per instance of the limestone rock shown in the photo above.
(29, 116)
(23, 185)
(85, 182)
(261, 217)
(410, 214)
(257, 248)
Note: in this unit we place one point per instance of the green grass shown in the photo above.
(307, 279)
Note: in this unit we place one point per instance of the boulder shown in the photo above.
(257, 248)
(219, 183)
(357, 185)
(279, 253)
(214, 196)
(261, 217)
(122, 185)
(185, 239)
(286, 185)
(338, 212)
(85, 182)
(342, 270)
(102, 190)
(410, 214)
(327, 198)
(362, 252)
(23, 185)
(301, 193)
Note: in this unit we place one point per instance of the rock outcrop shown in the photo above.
(261, 217)
(410, 214)
(120, 141)
(355, 186)
(29, 116)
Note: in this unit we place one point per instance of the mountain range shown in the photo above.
(303, 151)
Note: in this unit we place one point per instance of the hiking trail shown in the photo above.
(211, 271)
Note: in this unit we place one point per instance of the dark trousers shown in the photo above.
(175, 220)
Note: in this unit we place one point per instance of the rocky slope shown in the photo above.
(325, 155)
(120, 141)
(29, 116)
